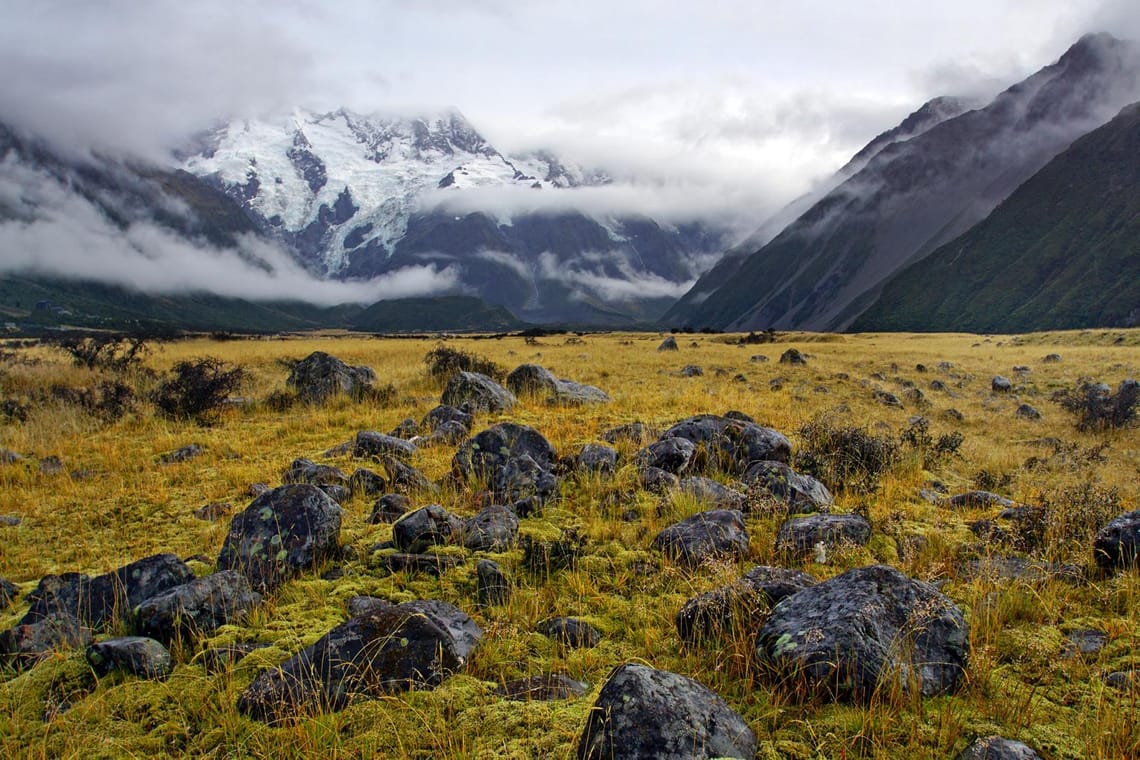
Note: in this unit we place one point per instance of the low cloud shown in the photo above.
(632, 285)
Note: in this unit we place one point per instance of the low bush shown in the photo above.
(197, 388)
(1096, 407)
(116, 353)
(443, 362)
(844, 458)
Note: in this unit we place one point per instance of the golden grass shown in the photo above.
(125, 505)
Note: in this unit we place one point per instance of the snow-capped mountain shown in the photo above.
(355, 196)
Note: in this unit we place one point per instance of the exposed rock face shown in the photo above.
(801, 493)
(425, 527)
(997, 748)
(706, 535)
(411, 645)
(280, 534)
(1117, 544)
(319, 376)
(196, 608)
(842, 638)
(137, 655)
(477, 392)
(642, 713)
(729, 444)
(798, 536)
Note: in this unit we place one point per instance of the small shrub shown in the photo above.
(917, 437)
(116, 353)
(281, 401)
(1097, 407)
(13, 411)
(197, 388)
(443, 362)
(109, 400)
(844, 458)
(1075, 513)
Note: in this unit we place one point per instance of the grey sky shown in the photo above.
(750, 99)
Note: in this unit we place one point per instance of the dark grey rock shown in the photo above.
(221, 659)
(736, 606)
(1051, 359)
(1001, 384)
(7, 456)
(8, 593)
(51, 465)
(215, 510)
(711, 493)
(411, 645)
(975, 500)
(447, 434)
(338, 493)
(532, 379)
(389, 508)
(183, 454)
(367, 605)
(646, 713)
(303, 470)
(426, 527)
(543, 689)
(1084, 642)
(405, 478)
(107, 599)
(798, 536)
(634, 432)
(484, 455)
(443, 415)
(573, 633)
(478, 392)
(886, 398)
(1028, 412)
(997, 748)
(691, 370)
(758, 359)
(656, 480)
(596, 458)
(492, 585)
(672, 455)
(493, 529)
(136, 655)
(706, 535)
(432, 564)
(801, 493)
(10, 521)
(669, 344)
(369, 443)
(792, 356)
(842, 638)
(318, 377)
(523, 478)
(1122, 679)
(366, 483)
(406, 429)
(281, 534)
(728, 444)
(1117, 544)
(25, 644)
(196, 608)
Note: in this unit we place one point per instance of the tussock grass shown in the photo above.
(115, 502)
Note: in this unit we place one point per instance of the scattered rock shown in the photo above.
(729, 444)
(634, 432)
(405, 478)
(8, 593)
(196, 608)
(713, 494)
(671, 455)
(7, 456)
(535, 380)
(543, 689)
(801, 493)
(318, 377)
(842, 638)
(51, 465)
(281, 534)
(571, 632)
(411, 645)
(137, 655)
(444, 415)
(25, 644)
(1001, 384)
(1051, 359)
(1122, 679)
(1028, 412)
(340, 450)
(489, 452)
(758, 359)
(372, 444)
(798, 537)
(493, 529)
(524, 479)
(976, 500)
(406, 429)
(425, 527)
(886, 398)
(478, 392)
(646, 713)
(492, 586)
(183, 454)
(1117, 544)
(669, 344)
(389, 508)
(706, 535)
(792, 356)
(10, 521)
(303, 470)
(953, 414)
(1084, 642)
(691, 370)
(432, 564)
(596, 458)
(215, 510)
(366, 483)
(997, 748)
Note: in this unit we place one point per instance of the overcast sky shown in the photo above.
(760, 96)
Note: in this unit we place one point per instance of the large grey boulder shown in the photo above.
(478, 392)
(729, 444)
(801, 493)
(536, 380)
(136, 655)
(280, 534)
(488, 452)
(25, 644)
(672, 456)
(1117, 544)
(842, 639)
(523, 478)
(406, 646)
(492, 529)
(319, 376)
(596, 458)
(997, 748)
(798, 537)
(717, 533)
(646, 713)
(196, 608)
(369, 443)
(444, 415)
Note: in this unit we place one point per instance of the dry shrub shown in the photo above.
(1096, 407)
(844, 458)
(443, 362)
(197, 388)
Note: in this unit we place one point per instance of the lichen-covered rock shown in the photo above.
(572, 632)
(281, 534)
(523, 478)
(798, 536)
(478, 392)
(8, 593)
(492, 586)
(1001, 384)
(976, 499)
(646, 713)
(411, 645)
(997, 748)
(543, 688)
(369, 443)
(793, 356)
(669, 344)
(672, 455)
(729, 444)
(656, 480)
(737, 605)
(596, 458)
(403, 477)
(389, 508)
(196, 608)
(425, 527)
(106, 599)
(713, 534)
(801, 493)
(492, 529)
(488, 452)
(25, 644)
(1117, 544)
(443, 414)
(366, 483)
(536, 380)
(710, 492)
(303, 470)
(842, 638)
(319, 376)
(136, 655)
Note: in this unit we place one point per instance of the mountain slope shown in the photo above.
(1063, 251)
(915, 195)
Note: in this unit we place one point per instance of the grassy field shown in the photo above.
(114, 503)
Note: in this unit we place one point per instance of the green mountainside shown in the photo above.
(1063, 251)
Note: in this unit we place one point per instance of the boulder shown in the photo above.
(105, 600)
(1026, 411)
(389, 508)
(713, 494)
(798, 537)
(646, 713)
(366, 483)
(531, 379)
(669, 344)
(571, 632)
(25, 644)
(136, 655)
(523, 478)
(659, 481)
(196, 608)
(493, 529)
(8, 593)
(369, 443)
(1117, 544)
(492, 586)
(1001, 384)
(425, 527)
(443, 415)
(318, 377)
(303, 470)
(1051, 358)
(729, 444)
(403, 477)
(735, 607)
(281, 534)
(793, 356)
(596, 458)
(543, 688)
(706, 535)
(488, 452)
(997, 748)
(691, 370)
(843, 638)
(672, 455)
(801, 493)
(478, 392)
(411, 645)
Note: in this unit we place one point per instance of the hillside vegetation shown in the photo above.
(92, 493)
